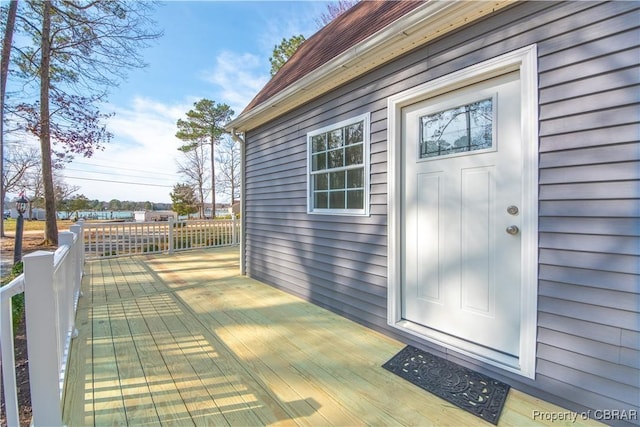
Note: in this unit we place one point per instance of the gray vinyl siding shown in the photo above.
(589, 188)
(589, 212)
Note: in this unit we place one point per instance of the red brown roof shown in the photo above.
(353, 26)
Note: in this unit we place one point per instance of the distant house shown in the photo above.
(144, 216)
(463, 176)
(222, 210)
(34, 214)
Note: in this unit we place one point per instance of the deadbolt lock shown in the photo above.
(513, 210)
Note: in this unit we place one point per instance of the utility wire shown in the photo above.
(110, 173)
(119, 168)
(118, 182)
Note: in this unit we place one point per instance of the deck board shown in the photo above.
(184, 340)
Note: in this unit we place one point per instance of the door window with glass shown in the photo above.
(461, 129)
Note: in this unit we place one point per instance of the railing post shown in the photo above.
(79, 230)
(79, 258)
(41, 321)
(233, 229)
(8, 363)
(171, 224)
(66, 238)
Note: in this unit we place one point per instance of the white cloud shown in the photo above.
(139, 163)
(295, 21)
(144, 147)
(239, 77)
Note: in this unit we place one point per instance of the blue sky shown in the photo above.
(210, 49)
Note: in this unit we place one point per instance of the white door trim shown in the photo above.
(526, 61)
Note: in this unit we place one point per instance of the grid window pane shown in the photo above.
(319, 161)
(354, 133)
(335, 139)
(336, 158)
(336, 180)
(355, 199)
(321, 200)
(321, 181)
(355, 178)
(353, 155)
(319, 143)
(336, 200)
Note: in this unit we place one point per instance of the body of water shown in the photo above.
(105, 215)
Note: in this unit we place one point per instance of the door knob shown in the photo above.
(513, 210)
(513, 230)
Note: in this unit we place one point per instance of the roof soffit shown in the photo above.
(423, 24)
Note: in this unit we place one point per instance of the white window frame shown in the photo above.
(523, 60)
(311, 209)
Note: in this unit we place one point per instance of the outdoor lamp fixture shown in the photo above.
(21, 207)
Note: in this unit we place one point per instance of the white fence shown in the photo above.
(135, 238)
(51, 286)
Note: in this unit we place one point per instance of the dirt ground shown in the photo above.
(32, 241)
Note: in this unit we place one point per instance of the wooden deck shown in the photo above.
(185, 340)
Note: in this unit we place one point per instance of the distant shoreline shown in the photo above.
(106, 215)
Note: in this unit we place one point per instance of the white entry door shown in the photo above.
(462, 201)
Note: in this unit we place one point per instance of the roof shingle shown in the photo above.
(353, 26)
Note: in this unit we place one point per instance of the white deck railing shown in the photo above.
(51, 286)
(112, 239)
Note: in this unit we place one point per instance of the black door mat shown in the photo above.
(476, 393)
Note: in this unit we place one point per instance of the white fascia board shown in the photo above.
(425, 23)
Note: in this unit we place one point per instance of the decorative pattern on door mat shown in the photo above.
(467, 389)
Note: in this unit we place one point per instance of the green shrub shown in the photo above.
(223, 239)
(182, 243)
(151, 248)
(17, 301)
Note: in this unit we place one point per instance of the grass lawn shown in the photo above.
(34, 225)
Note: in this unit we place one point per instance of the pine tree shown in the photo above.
(205, 125)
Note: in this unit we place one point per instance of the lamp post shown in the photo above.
(21, 207)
